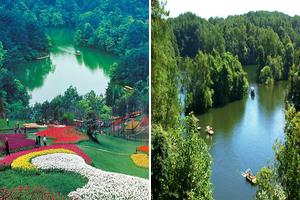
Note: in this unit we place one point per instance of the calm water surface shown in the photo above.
(245, 131)
(50, 77)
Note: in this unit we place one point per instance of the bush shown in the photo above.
(265, 76)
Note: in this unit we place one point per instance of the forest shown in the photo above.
(117, 27)
(203, 59)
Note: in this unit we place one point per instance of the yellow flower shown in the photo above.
(23, 162)
(141, 160)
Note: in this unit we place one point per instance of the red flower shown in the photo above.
(66, 134)
(144, 149)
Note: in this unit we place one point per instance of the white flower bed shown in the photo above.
(101, 184)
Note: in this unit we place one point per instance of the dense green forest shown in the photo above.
(265, 39)
(203, 60)
(181, 166)
(119, 27)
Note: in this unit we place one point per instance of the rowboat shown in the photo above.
(78, 53)
(249, 176)
(252, 91)
(209, 130)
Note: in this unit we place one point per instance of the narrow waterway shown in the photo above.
(245, 132)
(50, 77)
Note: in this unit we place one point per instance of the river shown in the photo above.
(245, 132)
(50, 77)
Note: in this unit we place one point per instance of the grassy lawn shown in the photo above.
(59, 182)
(12, 124)
(113, 154)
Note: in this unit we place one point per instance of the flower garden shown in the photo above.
(66, 134)
(108, 170)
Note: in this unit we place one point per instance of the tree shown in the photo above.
(2, 54)
(266, 76)
(282, 181)
(181, 165)
(288, 60)
(92, 126)
(164, 74)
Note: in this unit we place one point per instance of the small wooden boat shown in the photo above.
(78, 53)
(252, 91)
(43, 57)
(209, 130)
(128, 88)
(249, 176)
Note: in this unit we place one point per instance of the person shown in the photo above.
(45, 141)
(36, 142)
(7, 121)
(7, 146)
(25, 130)
(39, 140)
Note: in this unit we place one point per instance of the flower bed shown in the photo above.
(23, 162)
(25, 192)
(145, 121)
(6, 161)
(141, 160)
(143, 148)
(66, 134)
(16, 141)
(101, 184)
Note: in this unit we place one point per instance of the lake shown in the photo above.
(50, 77)
(245, 131)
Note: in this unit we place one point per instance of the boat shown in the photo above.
(250, 176)
(252, 91)
(78, 53)
(43, 57)
(209, 130)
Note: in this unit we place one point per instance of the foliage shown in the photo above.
(165, 71)
(294, 88)
(268, 188)
(193, 33)
(213, 80)
(283, 182)
(181, 164)
(71, 105)
(14, 96)
(266, 76)
(23, 38)
(180, 161)
(253, 37)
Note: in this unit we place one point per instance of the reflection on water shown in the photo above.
(33, 74)
(245, 131)
(50, 77)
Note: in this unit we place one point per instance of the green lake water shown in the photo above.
(50, 77)
(245, 131)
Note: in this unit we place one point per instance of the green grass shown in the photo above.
(58, 182)
(113, 154)
(12, 123)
